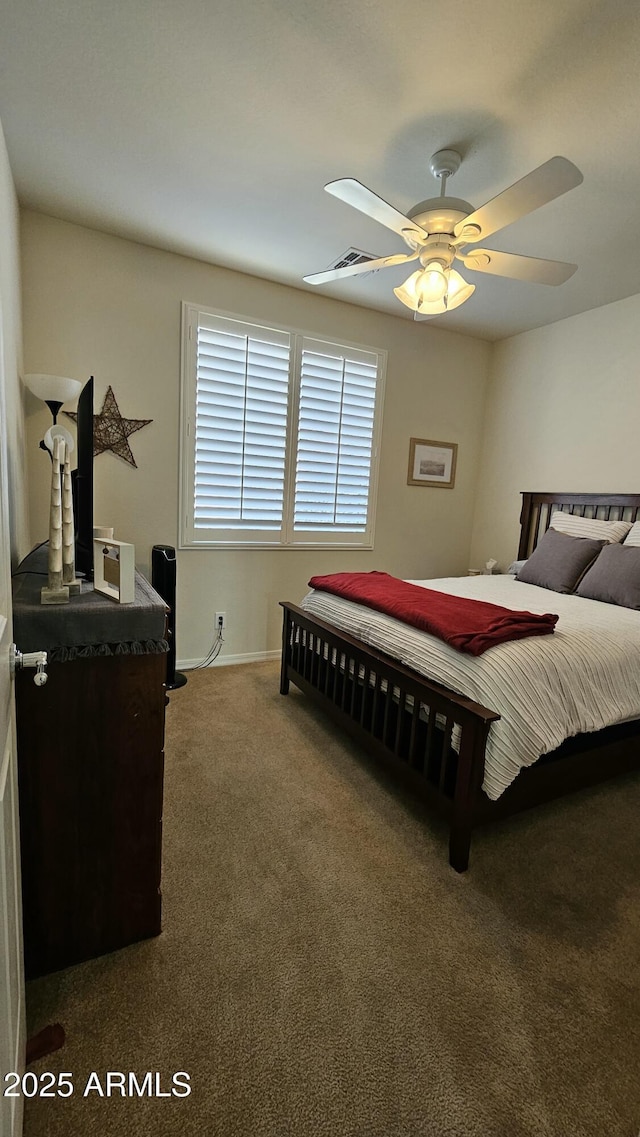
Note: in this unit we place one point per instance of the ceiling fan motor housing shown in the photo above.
(440, 214)
(437, 250)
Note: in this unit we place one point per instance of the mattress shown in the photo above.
(546, 689)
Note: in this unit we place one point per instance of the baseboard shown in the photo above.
(228, 660)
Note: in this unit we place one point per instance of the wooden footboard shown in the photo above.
(436, 736)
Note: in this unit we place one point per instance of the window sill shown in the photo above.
(327, 546)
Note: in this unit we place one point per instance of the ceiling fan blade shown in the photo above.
(547, 182)
(363, 266)
(357, 195)
(517, 267)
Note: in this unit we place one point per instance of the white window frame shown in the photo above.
(286, 538)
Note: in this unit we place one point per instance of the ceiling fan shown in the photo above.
(439, 230)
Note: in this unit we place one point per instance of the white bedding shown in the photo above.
(546, 688)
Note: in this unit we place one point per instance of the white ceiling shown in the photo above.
(209, 127)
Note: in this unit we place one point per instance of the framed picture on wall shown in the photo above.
(432, 463)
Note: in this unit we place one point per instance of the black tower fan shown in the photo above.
(163, 579)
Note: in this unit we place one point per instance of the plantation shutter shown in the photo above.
(242, 390)
(279, 437)
(335, 438)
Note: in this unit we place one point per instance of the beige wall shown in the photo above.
(97, 304)
(12, 349)
(562, 410)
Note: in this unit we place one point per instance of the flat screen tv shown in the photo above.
(83, 482)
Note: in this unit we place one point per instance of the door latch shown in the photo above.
(38, 659)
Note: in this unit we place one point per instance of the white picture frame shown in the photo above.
(114, 570)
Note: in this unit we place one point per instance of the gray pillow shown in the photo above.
(559, 562)
(614, 577)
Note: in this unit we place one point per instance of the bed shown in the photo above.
(443, 742)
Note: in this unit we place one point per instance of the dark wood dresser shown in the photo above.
(90, 763)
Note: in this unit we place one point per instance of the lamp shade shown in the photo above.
(459, 290)
(432, 284)
(409, 294)
(53, 388)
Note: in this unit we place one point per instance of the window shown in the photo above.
(280, 436)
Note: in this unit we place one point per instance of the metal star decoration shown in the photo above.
(111, 431)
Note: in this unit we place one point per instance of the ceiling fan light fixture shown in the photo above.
(459, 290)
(406, 292)
(432, 307)
(411, 295)
(432, 282)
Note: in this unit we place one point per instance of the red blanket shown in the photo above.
(468, 625)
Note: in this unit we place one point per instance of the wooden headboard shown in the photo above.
(538, 507)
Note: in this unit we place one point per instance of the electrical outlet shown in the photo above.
(221, 621)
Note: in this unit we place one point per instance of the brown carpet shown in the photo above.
(323, 971)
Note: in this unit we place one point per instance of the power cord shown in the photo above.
(32, 572)
(214, 652)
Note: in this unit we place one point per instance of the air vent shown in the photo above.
(353, 257)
